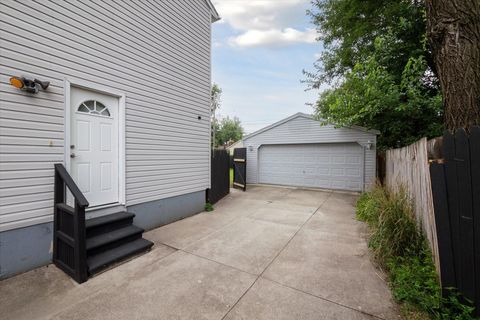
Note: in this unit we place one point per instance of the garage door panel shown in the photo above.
(310, 171)
(338, 172)
(323, 159)
(338, 159)
(337, 184)
(353, 186)
(333, 166)
(353, 172)
(353, 160)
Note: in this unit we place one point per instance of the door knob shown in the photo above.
(72, 155)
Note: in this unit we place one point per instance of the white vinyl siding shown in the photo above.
(156, 52)
(301, 129)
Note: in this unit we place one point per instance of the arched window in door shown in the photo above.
(94, 107)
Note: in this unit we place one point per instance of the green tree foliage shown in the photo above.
(348, 30)
(215, 101)
(403, 111)
(227, 129)
(380, 72)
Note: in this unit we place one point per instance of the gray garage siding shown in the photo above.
(302, 129)
(116, 44)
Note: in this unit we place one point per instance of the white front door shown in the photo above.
(94, 149)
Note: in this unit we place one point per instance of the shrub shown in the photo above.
(392, 223)
(414, 282)
(208, 207)
(368, 206)
(401, 248)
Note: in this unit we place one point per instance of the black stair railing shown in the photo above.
(69, 251)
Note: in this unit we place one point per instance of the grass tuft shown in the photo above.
(208, 207)
(401, 249)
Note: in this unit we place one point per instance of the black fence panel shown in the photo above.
(456, 199)
(474, 141)
(443, 226)
(240, 168)
(220, 176)
(464, 184)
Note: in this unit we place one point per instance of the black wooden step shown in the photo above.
(113, 238)
(102, 260)
(109, 222)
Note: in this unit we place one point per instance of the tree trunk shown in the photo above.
(453, 30)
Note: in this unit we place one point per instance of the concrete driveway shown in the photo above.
(268, 253)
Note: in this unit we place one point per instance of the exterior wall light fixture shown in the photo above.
(369, 145)
(250, 148)
(31, 86)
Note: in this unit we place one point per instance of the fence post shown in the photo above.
(80, 248)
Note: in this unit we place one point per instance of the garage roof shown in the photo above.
(304, 115)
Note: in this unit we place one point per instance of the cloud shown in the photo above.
(273, 37)
(270, 23)
(262, 14)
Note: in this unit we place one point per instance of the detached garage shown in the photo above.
(299, 151)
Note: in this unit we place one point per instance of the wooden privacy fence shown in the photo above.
(408, 169)
(456, 195)
(220, 176)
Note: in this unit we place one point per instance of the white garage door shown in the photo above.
(331, 166)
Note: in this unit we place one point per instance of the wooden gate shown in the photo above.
(220, 176)
(456, 198)
(240, 168)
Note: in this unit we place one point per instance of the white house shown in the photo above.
(299, 151)
(127, 112)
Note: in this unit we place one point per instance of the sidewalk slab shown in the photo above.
(329, 258)
(268, 300)
(182, 233)
(289, 217)
(180, 286)
(247, 244)
(39, 293)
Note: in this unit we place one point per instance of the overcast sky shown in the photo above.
(259, 50)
